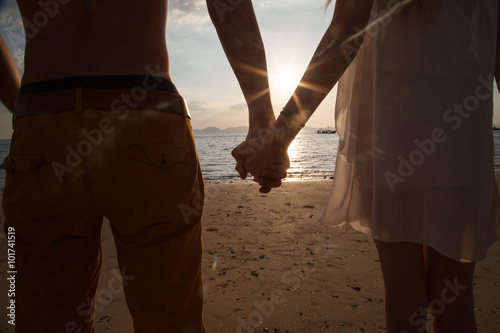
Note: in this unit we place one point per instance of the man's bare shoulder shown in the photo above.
(98, 10)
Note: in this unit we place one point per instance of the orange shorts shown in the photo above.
(79, 155)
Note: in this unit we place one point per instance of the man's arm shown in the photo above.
(240, 37)
(10, 81)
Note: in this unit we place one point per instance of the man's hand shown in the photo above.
(265, 158)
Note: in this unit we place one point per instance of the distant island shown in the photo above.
(216, 130)
(240, 130)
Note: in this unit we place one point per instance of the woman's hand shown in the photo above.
(265, 157)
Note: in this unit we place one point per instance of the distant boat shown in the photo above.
(326, 131)
(496, 128)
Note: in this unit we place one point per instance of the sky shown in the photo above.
(291, 30)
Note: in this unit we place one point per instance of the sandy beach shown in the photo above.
(269, 266)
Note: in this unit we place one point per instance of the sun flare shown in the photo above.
(284, 82)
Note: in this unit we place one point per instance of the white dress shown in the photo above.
(414, 115)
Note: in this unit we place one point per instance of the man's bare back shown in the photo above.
(68, 38)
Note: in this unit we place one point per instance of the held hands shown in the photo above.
(265, 157)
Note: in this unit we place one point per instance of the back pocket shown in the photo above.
(17, 164)
(163, 157)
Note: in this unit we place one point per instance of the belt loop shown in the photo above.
(16, 108)
(185, 109)
(79, 101)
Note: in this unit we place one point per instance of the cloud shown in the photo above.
(199, 106)
(188, 14)
(239, 106)
(186, 6)
(19, 59)
(207, 113)
(10, 18)
(11, 26)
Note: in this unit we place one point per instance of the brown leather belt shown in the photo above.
(79, 99)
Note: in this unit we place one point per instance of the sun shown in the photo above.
(283, 83)
(287, 80)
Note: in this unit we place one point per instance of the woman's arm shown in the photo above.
(335, 52)
(10, 81)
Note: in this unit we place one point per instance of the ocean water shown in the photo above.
(312, 156)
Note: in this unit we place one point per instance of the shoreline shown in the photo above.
(279, 270)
